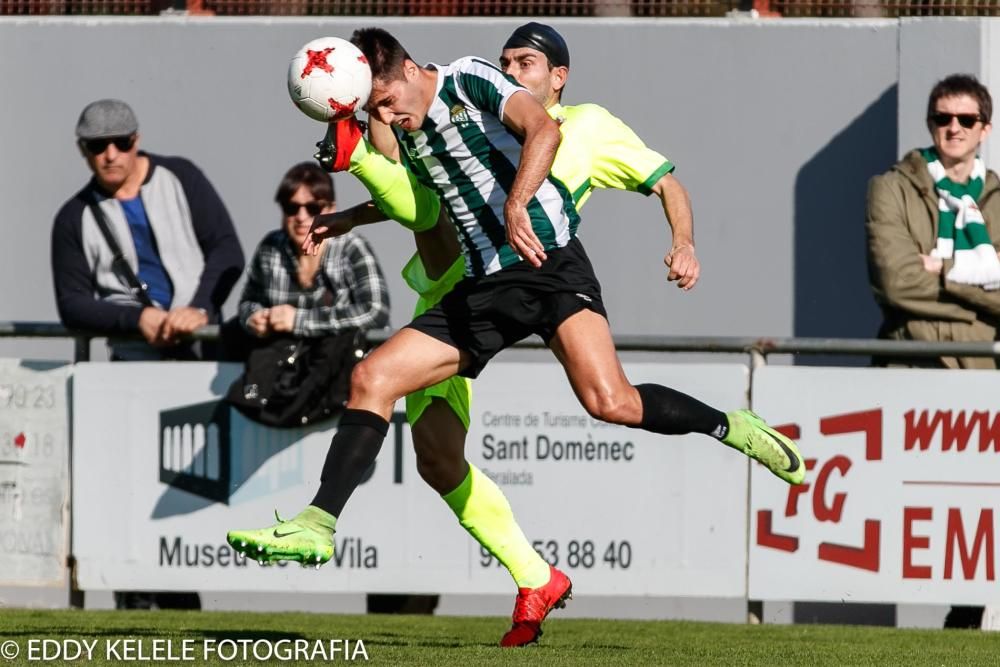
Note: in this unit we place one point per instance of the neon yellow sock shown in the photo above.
(319, 518)
(483, 510)
(395, 190)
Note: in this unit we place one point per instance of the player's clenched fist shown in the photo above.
(683, 266)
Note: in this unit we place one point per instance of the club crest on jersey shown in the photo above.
(459, 114)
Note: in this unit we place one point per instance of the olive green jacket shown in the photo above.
(902, 224)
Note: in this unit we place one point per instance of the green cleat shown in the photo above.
(307, 539)
(749, 434)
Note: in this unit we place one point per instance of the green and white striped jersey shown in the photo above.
(465, 153)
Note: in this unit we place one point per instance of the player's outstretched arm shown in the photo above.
(527, 117)
(681, 261)
(329, 225)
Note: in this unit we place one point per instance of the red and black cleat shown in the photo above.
(533, 605)
(336, 147)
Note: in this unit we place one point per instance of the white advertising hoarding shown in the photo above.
(901, 498)
(162, 470)
(34, 472)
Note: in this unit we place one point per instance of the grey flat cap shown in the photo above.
(106, 118)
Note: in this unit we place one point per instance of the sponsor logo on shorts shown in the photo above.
(584, 297)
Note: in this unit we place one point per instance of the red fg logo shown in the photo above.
(925, 433)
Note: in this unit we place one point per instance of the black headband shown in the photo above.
(541, 38)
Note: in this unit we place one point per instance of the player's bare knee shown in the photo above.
(368, 380)
(360, 377)
(614, 407)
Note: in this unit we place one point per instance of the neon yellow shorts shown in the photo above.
(457, 391)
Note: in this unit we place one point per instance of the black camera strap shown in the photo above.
(118, 263)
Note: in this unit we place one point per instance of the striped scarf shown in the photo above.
(961, 229)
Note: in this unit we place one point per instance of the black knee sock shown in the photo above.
(670, 412)
(352, 451)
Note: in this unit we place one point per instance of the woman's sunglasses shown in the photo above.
(98, 146)
(966, 120)
(313, 208)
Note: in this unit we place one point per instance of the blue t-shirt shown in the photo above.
(151, 270)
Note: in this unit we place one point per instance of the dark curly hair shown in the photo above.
(962, 84)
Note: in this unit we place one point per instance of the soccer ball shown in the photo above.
(329, 79)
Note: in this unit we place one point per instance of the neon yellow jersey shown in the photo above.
(600, 151)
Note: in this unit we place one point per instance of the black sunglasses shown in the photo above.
(98, 146)
(966, 120)
(291, 208)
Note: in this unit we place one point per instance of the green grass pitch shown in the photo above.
(461, 641)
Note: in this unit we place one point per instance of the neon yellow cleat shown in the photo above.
(307, 539)
(749, 434)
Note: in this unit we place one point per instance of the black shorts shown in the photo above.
(483, 316)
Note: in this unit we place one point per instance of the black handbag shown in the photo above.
(298, 381)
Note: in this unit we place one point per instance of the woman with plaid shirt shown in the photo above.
(302, 295)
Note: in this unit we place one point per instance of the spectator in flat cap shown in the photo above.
(146, 247)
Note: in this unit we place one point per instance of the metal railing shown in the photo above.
(756, 347)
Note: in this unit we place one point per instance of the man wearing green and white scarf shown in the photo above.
(933, 226)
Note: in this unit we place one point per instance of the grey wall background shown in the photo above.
(930, 50)
(775, 127)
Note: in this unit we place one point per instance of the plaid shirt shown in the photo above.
(349, 290)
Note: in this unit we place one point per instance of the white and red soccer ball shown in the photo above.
(329, 79)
